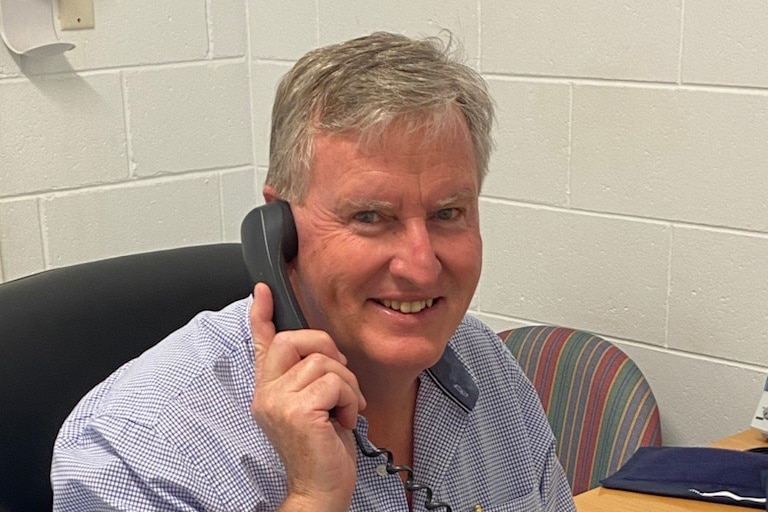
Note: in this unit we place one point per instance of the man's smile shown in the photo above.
(413, 306)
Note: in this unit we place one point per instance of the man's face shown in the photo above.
(389, 244)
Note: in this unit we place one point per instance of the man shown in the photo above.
(380, 145)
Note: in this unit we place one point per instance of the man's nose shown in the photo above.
(415, 258)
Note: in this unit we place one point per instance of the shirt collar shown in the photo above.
(454, 380)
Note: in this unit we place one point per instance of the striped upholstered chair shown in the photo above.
(599, 404)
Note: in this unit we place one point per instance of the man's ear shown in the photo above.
(270, 194)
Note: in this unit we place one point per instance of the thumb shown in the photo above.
(262, 328)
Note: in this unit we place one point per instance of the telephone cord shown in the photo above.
(410, 484)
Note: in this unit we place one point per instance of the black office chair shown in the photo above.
(62, 331)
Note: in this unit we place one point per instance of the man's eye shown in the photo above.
(447, 213)
(368, 217)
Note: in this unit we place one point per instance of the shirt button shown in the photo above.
(381, 470)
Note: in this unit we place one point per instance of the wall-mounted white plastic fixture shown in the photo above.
(26, 27)
(76, 14)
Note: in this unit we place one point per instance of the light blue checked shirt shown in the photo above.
(171, 430)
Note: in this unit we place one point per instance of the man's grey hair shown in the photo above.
(364, 85)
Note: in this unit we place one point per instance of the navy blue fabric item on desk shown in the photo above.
(764, 476)
(708, 474)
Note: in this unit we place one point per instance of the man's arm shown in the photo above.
(114, 464)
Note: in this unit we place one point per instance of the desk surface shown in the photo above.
(611, 500)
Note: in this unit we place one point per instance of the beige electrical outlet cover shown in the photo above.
(76, 14)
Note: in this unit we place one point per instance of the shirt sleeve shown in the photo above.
(113, 464)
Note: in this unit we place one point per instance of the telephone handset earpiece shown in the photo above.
(269, 241)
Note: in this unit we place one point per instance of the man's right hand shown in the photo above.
(306, 400)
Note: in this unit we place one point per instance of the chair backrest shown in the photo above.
(64, 330)
(597, 400)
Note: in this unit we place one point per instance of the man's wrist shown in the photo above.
(303, 502)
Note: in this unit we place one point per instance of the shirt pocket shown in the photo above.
(528, 503)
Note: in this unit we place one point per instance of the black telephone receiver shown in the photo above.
(269, 241)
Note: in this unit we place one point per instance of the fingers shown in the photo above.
(321, 375)
(287, 348)
(342, 401)
(298, 358)
(262, 328)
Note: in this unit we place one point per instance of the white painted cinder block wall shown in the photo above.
(628, 195)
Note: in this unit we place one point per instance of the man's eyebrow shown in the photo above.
(364, 203)
(459, 197)
(359, 203)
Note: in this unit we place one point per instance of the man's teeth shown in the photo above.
(408, 306)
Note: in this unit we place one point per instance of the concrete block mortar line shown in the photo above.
(317, 21)
(570, 147)
(682, 44)
(635, 343)
(131, 182)
(43, 233)
(668, 296)
(479, 55)
(220, 184)
(632, 218)
(2, 279)
(279, 62)
(632, 84)
(732, 363)
(665, 349)
(251, 92)
(180, 64)
(130, 162)
(209, 30)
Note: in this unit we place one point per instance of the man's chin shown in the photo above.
(415, 353)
